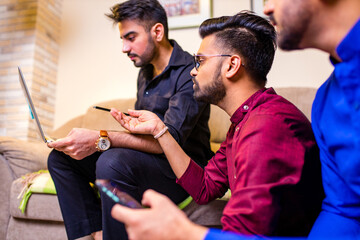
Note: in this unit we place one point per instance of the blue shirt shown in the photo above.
(216, 234)
(336, 125)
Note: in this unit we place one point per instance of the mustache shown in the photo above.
(132, 55)
(272, 19)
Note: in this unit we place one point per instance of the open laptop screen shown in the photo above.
(31, 106)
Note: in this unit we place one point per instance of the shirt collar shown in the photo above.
(348, 69)
(249, 104)
(347, 72)
(178, 56)
(349, 46)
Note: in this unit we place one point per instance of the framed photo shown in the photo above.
(257, 6)
(187, 13)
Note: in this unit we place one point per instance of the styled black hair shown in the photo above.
(146, 12)
(248, 35)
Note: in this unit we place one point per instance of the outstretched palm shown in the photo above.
(141, 122)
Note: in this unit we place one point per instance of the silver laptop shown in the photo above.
(32, 108)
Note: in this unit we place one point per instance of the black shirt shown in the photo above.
(170, 96)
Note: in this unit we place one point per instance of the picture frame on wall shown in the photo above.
(186, 13)
(257, 6)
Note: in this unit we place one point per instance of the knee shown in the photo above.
(115, 162)
(54, 159)
(107, 163)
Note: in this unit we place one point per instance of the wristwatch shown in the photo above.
(103, 142)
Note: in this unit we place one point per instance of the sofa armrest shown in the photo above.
(301, 97)
(23, 156)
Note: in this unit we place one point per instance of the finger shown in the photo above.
(123, 120)
(134, 113)
(122, 214)
(115, 113)
(114, 110)
(61, 149)
(119, 116)
(66, 152)
(60, 143)
(125, 117)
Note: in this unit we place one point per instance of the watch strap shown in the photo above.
(103, 133)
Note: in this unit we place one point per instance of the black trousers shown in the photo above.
(133, 171)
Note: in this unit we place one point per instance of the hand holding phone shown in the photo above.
(112, 191)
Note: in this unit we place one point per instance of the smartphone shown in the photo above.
(110, 189)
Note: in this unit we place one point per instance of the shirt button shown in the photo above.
(146, 93)
(246, 107)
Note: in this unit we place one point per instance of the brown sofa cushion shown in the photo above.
(22, 229)
(40, 206)
(24, 156)
(219, 124)
(301, 97)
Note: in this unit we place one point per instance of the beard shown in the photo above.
(294, 29)
(147, 56)
(212, 93)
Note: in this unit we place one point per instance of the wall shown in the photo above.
(29, 37)
(92, 67)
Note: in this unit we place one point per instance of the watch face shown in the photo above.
(104, 144)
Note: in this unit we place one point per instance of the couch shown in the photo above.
(42, 219)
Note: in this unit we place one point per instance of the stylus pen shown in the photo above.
(107, 109)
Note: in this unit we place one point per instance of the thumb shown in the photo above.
(58, 143)
(152, 198)
(121, 213)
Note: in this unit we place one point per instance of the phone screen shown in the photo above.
(112, 191)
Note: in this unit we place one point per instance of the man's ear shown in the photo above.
(234, 66)
(157, 31)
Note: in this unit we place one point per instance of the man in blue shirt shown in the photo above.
(333, 27)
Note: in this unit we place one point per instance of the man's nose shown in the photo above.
(269, 7)
(193, 72)
(126, 48)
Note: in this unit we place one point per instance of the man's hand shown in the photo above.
(140, 122)
(78, 144)
(163, 220)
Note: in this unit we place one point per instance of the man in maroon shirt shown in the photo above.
(269, 159)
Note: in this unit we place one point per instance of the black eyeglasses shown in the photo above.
(197, 60)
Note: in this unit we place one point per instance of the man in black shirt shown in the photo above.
(135, 162)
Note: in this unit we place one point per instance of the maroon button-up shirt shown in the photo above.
(270, 162)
